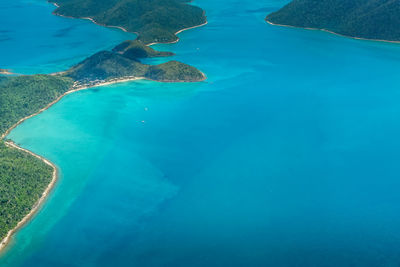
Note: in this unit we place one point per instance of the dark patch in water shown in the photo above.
(5, 39)
(75, 44)
(63, 32)
(48, 46)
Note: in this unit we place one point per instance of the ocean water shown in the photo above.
(32, 40)
(288, 155)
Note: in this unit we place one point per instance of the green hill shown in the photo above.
(136, 49)
(106, 66)
(174, 71)
(153, 20)
(370, 19)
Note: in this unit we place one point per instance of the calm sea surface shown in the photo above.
(288, 155)
(32, 40)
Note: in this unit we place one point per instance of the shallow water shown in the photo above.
(287, 156)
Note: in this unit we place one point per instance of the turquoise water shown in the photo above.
(32, 40)
(287, 156)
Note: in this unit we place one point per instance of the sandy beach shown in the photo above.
(6, 72)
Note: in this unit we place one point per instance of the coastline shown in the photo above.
(36, 207)
(6, 72)
(178, 32)
(76, 88)
(5, 241)
(332, 32)
(125, 30)
(38, 204)
(72, 90)
(88, 18)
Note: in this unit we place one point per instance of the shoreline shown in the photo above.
(36, 207)
(38, 204)
(332, 32)
(72, 90)
(125, 30)
(88, 18)
(6, 72)
(178, 32)
(5, 241)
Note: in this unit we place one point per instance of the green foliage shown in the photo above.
(174, 71)
(25, 95)
(136, 49)
(153, 20)
(372, 19)
(105, 66)
(23, 179)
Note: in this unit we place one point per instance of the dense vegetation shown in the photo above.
(372, 19)
(174, 71)
(136, 49)
(23, 179)
(153, 20)
(105, 66)
(25, 95)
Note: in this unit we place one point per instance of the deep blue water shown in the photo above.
(288, 155)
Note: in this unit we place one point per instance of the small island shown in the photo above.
(366, 19)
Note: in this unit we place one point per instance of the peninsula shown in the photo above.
(365, 19)
(26, 178)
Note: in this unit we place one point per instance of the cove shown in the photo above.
(286, 156)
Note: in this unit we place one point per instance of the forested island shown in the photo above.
(24, 176)
(155, 21)
(368, 19)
